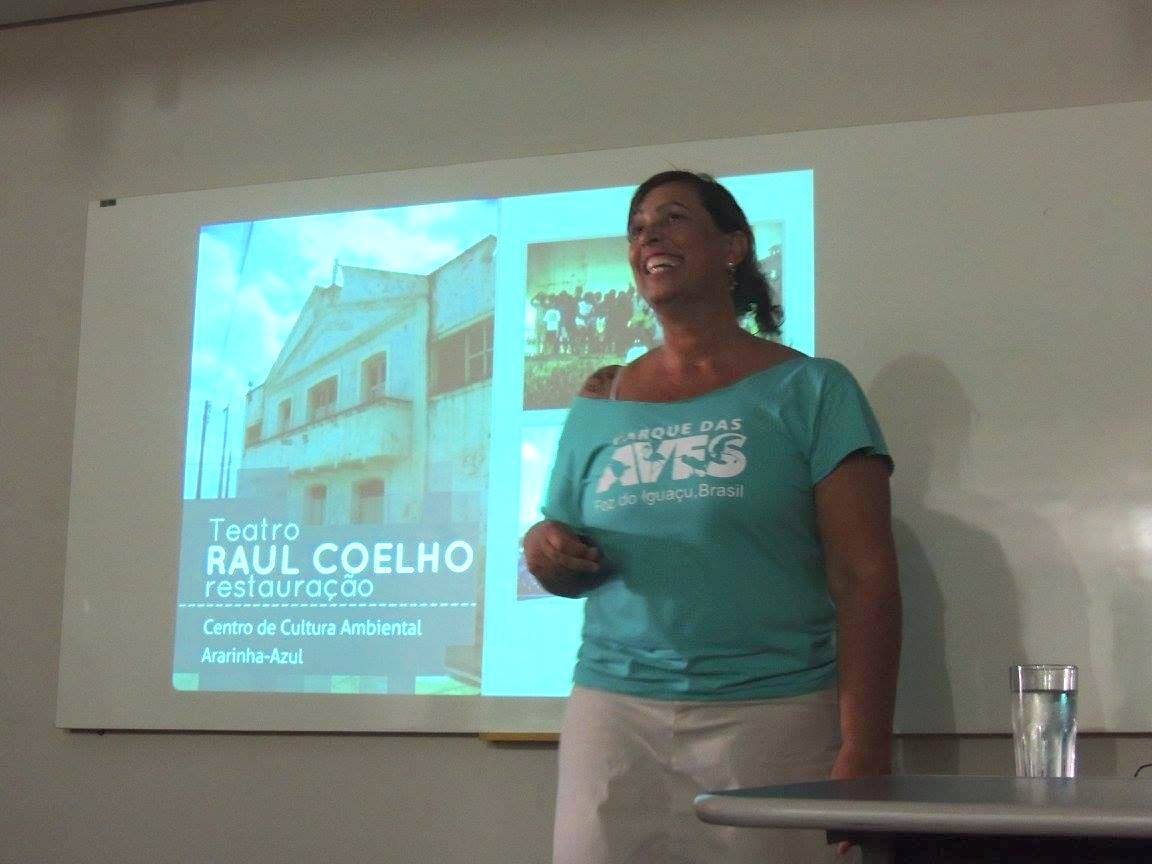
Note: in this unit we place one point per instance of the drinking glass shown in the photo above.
(1044, 719)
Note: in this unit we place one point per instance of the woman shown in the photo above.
(722, 502)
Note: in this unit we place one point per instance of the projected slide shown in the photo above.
(374, 401)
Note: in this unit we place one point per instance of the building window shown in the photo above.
(322, 399)
(284, 416)
(253, 434)
(373, 372)
(369, 504)
(463, 357)
(315, 504)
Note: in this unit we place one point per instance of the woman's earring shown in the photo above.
(731, 276)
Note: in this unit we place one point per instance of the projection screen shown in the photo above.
(315, 417)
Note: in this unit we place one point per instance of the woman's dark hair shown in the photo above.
(751, 291)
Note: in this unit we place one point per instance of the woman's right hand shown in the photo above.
(563, 562)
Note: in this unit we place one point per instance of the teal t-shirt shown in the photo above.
(704, 510)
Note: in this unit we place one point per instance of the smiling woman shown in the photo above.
(679, 256)
(677, 207)
(735, 635)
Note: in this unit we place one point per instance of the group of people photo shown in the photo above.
(586, 322)
(566, 329)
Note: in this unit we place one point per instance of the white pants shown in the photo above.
(630, 769)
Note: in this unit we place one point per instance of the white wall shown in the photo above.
(232, 92)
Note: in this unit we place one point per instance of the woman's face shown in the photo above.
(675, 248)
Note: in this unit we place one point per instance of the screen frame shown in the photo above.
(137, 313)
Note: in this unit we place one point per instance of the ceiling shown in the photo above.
(17, 12)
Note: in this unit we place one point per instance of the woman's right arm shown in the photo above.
(563, 562)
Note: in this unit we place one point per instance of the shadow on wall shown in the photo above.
(1131, 613)
(987, 583)
(960, 605)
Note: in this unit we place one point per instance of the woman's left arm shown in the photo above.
(853, 509)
